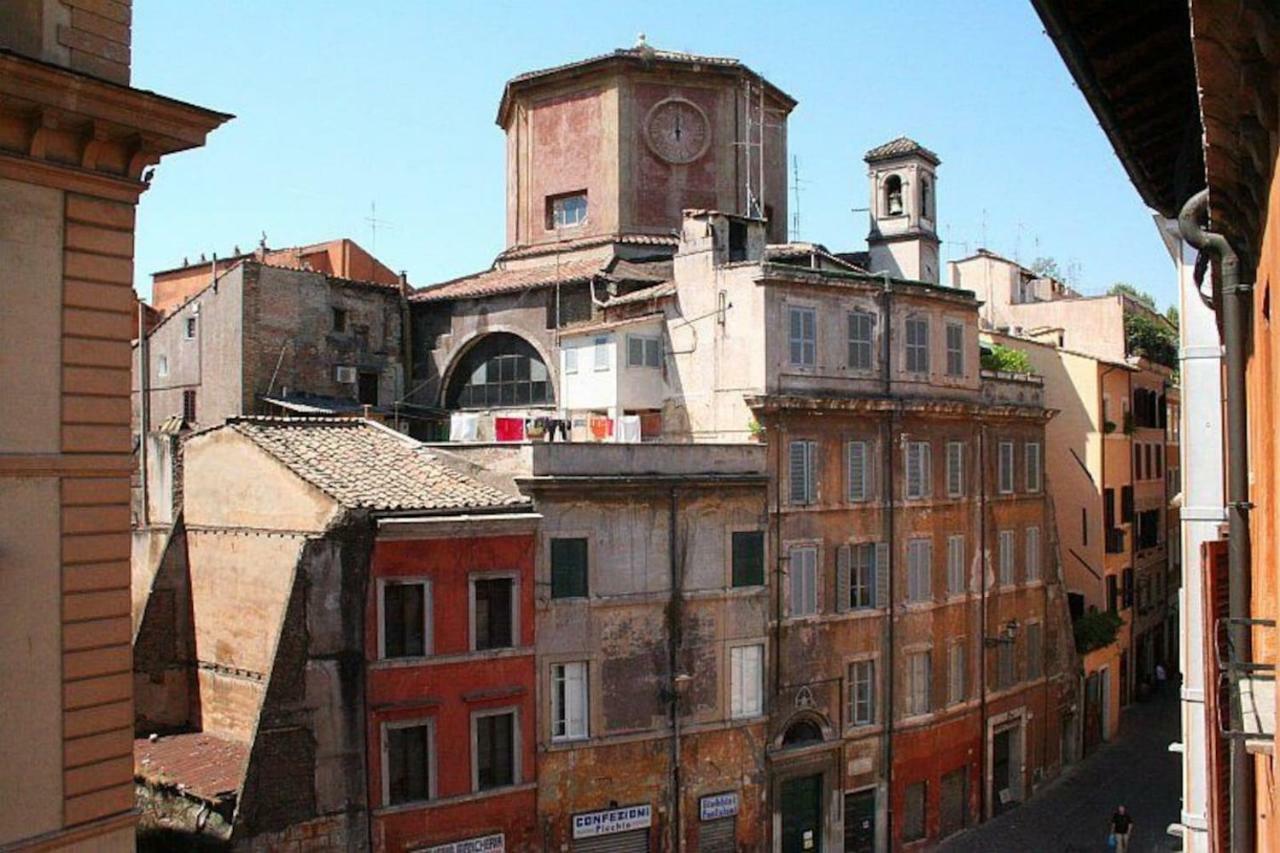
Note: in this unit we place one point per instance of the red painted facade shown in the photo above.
(448, 687)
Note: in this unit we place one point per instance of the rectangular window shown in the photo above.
(919, 570)
(1137, 462)
(189, 406)
(1005, 675)
(860, 340)
(189, 329)
(406, 751)
(1084, 525)
(643, 351)
(858, 470)
(339, 320)
(862, 576)
(918, 345)
(1151, 461)
(919, 470)
(955, 565)
(601, 353)
(1035, 651)
(1033, 476)
(955, 469)
(1005, 468)
(493, 618)
(495, 749)
(804, 581)
(748, 558)
(1159, 472)
(957, 672)
(862, 692)
(1033, 554)
(1006, 557)
(569, 701)
(570, 359)
(406, 608)
(568, 568)
(1113, 597)
(162, 366)
(955, 349)
(1126, 504)
(919, 673)
(746, 681)
(804, 336)
(804, 486)
(913, 823)
(566, 211)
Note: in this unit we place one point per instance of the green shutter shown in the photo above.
(568, 568)
(748, 558)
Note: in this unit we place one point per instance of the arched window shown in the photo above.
(893, 195)
(802, 733)
(500, 370)
(926, 198)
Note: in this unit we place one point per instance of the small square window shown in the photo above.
(189, 329)
(566, 211)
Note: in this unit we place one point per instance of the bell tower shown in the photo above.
(904, 237)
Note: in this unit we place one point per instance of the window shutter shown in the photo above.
(880, 569)
(844, 559)
(857, 470)
(926, 469)
(799, 486)
(575, 699)
(751, 681)
(811, 463)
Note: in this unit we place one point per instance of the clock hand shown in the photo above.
(677, 127)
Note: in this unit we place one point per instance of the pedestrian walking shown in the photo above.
(1121, 825)
(1162, 676)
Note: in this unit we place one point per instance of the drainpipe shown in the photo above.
(1235, 296)
(888, 676)
(982, 618)
(675, 619)
(144, 409)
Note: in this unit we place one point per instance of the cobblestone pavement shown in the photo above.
(1072, 814)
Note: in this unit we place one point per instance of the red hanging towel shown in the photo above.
(508, 429)
(601, 428)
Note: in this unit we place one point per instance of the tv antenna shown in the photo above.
(796, 184)
(374, 222)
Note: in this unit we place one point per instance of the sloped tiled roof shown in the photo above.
(205, 765)
(363, 465)
(900, 147)
(494, 281)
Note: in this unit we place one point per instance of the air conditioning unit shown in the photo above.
(346, 375)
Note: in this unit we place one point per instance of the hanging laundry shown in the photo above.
(601, 428)
(629, 429)
(463, 426)
(508, 429)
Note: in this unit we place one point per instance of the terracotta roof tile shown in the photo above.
(368, 466)
(900, 147)
(495, 281)
(203, 765)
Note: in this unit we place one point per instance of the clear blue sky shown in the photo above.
(341, 105)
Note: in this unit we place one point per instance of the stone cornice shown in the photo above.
(778, 404)
(75, 131)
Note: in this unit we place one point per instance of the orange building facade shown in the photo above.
(75, 141)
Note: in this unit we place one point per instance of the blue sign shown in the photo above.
(716, 806)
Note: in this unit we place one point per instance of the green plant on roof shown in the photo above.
(1005, 359)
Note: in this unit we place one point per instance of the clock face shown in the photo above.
(677, 130)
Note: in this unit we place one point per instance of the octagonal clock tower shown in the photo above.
(620, 144)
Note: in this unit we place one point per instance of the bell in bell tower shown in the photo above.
(904, 237)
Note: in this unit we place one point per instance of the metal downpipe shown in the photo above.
(1234, 307)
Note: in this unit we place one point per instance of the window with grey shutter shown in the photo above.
(880, 573)
(917, 340)
(1033, 553)
(955, 349)
(1006, 558)
(804, 581)
(860, 340)
(919, 465)
(955, 565)
(919, 674)
(804, 487)
(1006, 468)
(844, 568)
(858, 464)
(957, 689)
(1033, 466)
(919, 570)
(1005, 675)
(803, 337)
(955, 469)
(1035, 651)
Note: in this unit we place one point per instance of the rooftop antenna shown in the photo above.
(753, 145)
(374, 222)
(984, 229)
(796, 184)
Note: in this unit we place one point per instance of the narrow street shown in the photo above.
(1136, 770)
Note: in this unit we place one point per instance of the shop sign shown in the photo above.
(609, 821)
